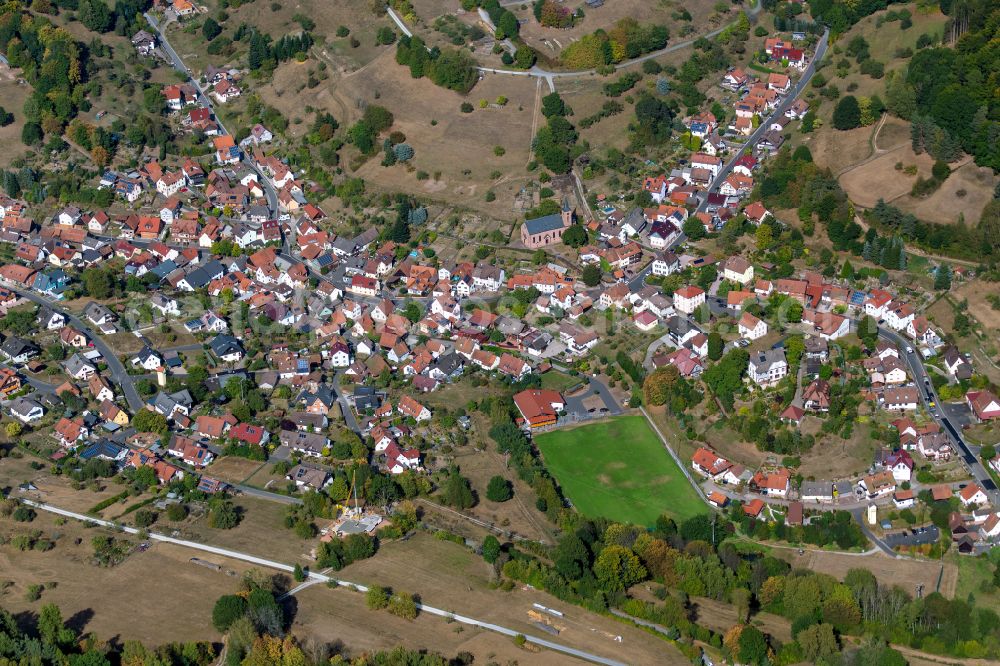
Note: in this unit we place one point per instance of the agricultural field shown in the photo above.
(618, 469)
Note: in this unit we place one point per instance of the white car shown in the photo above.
(909, 350)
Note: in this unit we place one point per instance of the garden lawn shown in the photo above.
(618, 469)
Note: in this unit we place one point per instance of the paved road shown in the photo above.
(267, 495)
(859, 518)
(323, 578)
(349, 418)
(549, 75)
(780, 110)
(178, 63)
(118, 374)
(926, 388)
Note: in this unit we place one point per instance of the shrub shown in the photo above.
(376, 598)
(466, 107)
(491, 549)
(403, 605)
(498, 489)
(227, 610)
(177, 512)
(144, 518)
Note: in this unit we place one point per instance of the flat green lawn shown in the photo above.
(618, 469)
(560, 381)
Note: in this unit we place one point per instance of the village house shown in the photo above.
(766, 368)
(750, 327)
(539, 407)
(688, 299)
(772, 484)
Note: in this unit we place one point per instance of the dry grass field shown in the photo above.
(455, 150)
(13, 94)
(976, 292)
(449, 576)
(157, 596)
(906, 573)
(879, 179)
(261, 532)
(56, 489)
(340, 616)
(964, 195)
(234, 470)
(835, 150)
(518, 514)
(836, 459)
(720, 616)
(551, 41)
(187, 40)
(460, 146)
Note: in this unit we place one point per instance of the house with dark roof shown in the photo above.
(17, 350)
(226, 348)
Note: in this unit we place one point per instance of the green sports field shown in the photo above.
(618, 469)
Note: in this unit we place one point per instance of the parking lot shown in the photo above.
(916, 537)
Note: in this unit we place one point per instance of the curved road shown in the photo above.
(175, 60)
(538, 72)
(118, 373)
(322, 578)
